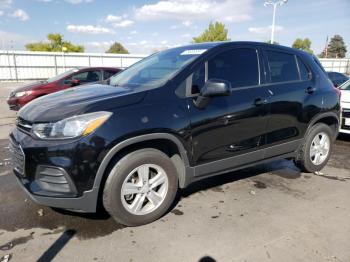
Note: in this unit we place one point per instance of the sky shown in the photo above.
(145, 26)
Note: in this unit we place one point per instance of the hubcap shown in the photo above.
(319, 149)
(144, 189)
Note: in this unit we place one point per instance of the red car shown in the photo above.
(77, 76)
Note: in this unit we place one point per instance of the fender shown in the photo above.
(320, 116)
(182, 175)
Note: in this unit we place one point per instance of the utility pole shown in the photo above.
(274, 3)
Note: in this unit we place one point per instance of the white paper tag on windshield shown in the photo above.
(193, 52)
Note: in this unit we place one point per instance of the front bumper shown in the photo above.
(86, 203)
(57, 174)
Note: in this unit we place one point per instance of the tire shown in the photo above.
(130, 171)
(304, 161)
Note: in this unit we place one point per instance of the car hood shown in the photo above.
(75, 101)
(30, 86)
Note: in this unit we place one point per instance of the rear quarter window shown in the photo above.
(305, 73)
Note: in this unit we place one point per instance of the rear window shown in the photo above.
(283, 67)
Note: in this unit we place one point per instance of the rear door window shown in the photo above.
(282, 67)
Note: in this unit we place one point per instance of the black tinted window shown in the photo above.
(282, 67)
(198, 79)
(108, 74)
(238, 66)
(304, 71)
(88, 76)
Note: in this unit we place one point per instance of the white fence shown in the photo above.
(25, 65)
(336, 65)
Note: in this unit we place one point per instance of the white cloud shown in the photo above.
(124, 23)
(143, 42)
(164, 42)
(113, 18)
(264, 29)
(119, 21)
(44, 1)
(75, 2)
(236, 11)
(134, 32)
(186, 35)
(20, 14)
(89, 29)
(1, 13)
(5, 3)
(187, 23)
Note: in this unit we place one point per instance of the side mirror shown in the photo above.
(212, 88)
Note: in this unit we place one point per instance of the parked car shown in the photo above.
(337, 78)
(171, 119)
(74, 77)
(345, 104)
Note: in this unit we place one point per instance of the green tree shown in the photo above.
(303, 44)
(117, 48)
(215, 32)
(336, 47)
(55, 43)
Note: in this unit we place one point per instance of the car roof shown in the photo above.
(96, 67)
(210, 45)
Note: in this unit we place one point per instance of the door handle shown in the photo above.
(310, 89)
(260, 101)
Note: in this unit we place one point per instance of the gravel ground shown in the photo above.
(270, 212)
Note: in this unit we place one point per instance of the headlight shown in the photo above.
(19, 94)
(71, 127)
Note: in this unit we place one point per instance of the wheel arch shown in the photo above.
(165, 142)
(329, 118)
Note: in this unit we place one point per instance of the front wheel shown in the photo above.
(314, 154)
(141, 187)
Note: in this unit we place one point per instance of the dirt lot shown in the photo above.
(271, 212)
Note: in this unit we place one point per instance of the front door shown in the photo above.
(229, 131)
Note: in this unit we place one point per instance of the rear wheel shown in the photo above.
(316, 150)
(141, 187)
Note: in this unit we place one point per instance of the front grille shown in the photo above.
(346, 113)
(24, 124)
(18, 158)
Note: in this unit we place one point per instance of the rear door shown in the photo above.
(291, 87)
(230, 130)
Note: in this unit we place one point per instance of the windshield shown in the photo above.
(62, 75)
(157, 69)
(345, 86)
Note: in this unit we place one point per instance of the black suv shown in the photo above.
(173, 118)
